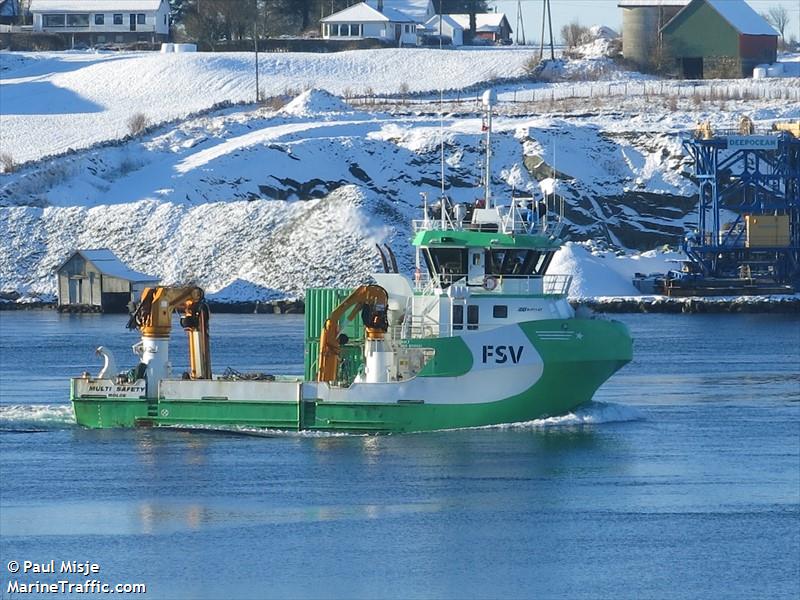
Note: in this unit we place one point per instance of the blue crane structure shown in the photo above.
(747, 174)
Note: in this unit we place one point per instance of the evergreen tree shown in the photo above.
(460, 7)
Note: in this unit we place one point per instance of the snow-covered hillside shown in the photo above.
(52, 102)
(256, 203)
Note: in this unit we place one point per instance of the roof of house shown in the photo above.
(742, 17)
(486, 22)
(433, 22)
(419, 10)
(737, 13)
(109, 264)
(643, 3)
(98, 6)
(9, 8)
(364, 13)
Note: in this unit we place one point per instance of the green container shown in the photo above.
(320, 303)
(311, 360)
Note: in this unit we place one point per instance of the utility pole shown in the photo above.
(547, 16)
(255, 46)
(520, 23)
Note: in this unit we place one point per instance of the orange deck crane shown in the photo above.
(371, 301)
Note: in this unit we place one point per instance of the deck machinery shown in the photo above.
(752, 177)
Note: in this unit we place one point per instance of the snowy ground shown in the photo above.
(257, 204)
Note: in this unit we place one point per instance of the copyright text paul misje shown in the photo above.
(53, 566)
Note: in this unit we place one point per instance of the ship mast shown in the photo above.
(489, 100)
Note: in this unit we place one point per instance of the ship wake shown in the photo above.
(593, 413)
(28, 418)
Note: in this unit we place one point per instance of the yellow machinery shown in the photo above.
(791, 127)
(704, 131)
(746, 126)
(371, 302)
(153, 318)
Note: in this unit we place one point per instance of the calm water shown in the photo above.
(681, 480)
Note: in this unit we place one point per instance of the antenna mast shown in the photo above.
(489, 100)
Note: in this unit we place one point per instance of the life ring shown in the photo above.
(489, 283)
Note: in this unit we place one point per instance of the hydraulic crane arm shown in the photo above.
(153, 318)
(371, 302)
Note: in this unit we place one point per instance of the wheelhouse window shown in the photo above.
(117, 18)
(509, 262)
(448, 264)
(458, 317)
(77, 20)
(140, 19)
(473, 315)
(54, 20)
(99, 19)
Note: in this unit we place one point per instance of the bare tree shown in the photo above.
(778, 17)
(574, 34)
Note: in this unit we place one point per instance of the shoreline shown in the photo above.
(645, 304)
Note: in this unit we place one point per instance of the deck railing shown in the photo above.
(557, 285)
(551, 285)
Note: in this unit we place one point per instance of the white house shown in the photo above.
(448, 27)
(395, 21)
(103, 21)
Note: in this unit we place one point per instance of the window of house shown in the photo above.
(77, 20)
(165, 19)
(140, 19)
(500, 311)
(473, 312)
(99, 19)
(119, 39)
(54, 20)
(117, 18)
(101, 39)
(458, 317)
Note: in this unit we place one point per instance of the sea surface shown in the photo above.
(681, 480)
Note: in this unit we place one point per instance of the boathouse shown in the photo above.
(98, 281)
(719, 39)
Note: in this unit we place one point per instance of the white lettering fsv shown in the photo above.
(502, 354)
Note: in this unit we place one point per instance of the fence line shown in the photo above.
(667, 89)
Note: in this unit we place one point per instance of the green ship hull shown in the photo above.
(567, 360)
